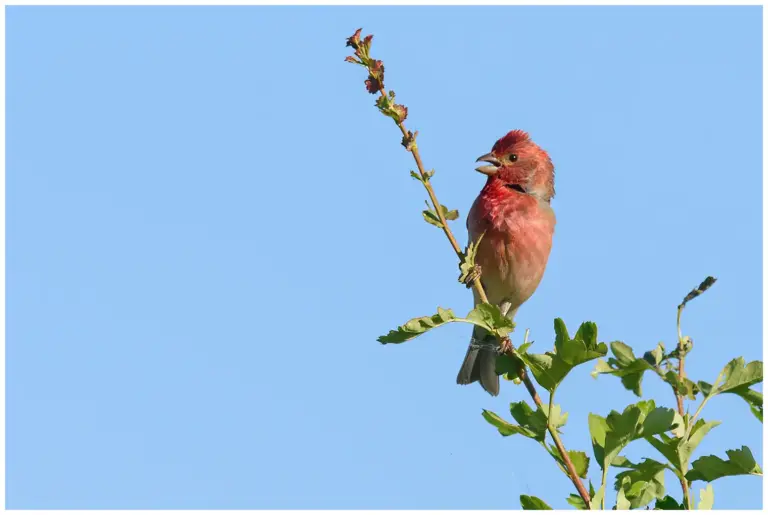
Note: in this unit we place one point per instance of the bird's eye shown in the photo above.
(513, 157)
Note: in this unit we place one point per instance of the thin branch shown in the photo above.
(376, 77)
(680, 408)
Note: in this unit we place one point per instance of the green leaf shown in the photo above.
(579, 459)
(529, 502)
(677, 450)
(505, 428)
(686, 387)
(642, 484)
(431, 217)
(416, 176)
(468, 262)
(598, 427)
(627, 367)
(736, 376)
(740, 462)
(753, 398)
(698, 432)
(534, 423)
(550, 368)
(636, 421)
(417, 326)
(622, 503)
(580, 462)
(577, 502)
(489, 317)
(597, 499)
(668, 503)
(706, 498)
(484, 315)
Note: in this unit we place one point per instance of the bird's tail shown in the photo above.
(480, 362)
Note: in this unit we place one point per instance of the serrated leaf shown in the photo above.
(698, 432)
(643, 483)
(626, 366)
(737, 375)
(686, 387)
(504, 427)
(677, 450)
(611, 434)
(529, 502)
(740, 462)
(484, 315)
(431, 217)
(417, 326)
(579, 459)
(580, 462)
(550, 368)
(489, 317)
(468, 262)
(536, 421)
(576, 501)
(753, 398)
(668, 503)
(706, 498)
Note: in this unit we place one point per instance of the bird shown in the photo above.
(517, 223)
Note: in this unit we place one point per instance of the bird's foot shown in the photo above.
(506, 346)
(474, 273)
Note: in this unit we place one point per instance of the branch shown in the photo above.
(683, 347)
(385, 103)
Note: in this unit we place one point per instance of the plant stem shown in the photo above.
(680, 408)
(477, 285)
(414, 150)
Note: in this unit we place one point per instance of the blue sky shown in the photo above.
(209, 224)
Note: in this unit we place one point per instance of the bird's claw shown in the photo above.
(474, 273)
(506, 346)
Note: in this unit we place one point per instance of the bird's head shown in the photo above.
(521, 166)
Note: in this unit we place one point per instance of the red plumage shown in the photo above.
(513, 210)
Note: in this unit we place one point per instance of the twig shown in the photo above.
(375, 83)
(680, 408)
(682, 350)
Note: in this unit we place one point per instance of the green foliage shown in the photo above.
(641, 484)
(529, 502)
(709, 468)
(668, 503)
(736, 378)
(431, 217)
(625, 365)
(577, 502)
(611, 434)
(532, 424)
(486, 316)
(550, 368)
(417, 326)
(675, 435)
(706, 498)
(467, 264)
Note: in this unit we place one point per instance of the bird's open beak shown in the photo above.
(490, 169)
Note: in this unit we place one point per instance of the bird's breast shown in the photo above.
(515, 249)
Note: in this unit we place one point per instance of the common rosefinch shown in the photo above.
(514, 212)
